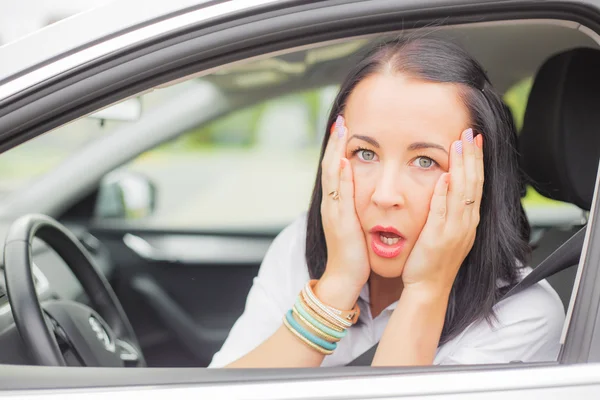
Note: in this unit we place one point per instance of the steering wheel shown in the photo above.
(64, 332)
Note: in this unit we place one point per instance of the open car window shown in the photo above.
(181, 261)
(251, 169)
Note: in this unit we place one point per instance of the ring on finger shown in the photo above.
(468, 202)
(334, 194)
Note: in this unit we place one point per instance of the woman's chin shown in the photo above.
(386, 267)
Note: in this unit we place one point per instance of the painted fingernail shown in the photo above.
(458, 146)
(469, 135)
(344, 132)
(479, 141)
(339, 126)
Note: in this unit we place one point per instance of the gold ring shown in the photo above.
(335, 194)
(469, 202)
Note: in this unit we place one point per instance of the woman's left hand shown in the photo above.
(449, 233)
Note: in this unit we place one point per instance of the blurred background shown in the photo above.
(21, 17)
(253, 168)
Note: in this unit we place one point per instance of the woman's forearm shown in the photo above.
(281, 350)
(284, 348)
(411, 336)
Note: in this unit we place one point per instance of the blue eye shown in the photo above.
(424, 162)
(367, 155)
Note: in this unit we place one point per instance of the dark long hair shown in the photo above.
(501, 242)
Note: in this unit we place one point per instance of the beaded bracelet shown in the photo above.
(300, 308)
(345, 318)
(317, 324)
(311, 304)
(316, 315)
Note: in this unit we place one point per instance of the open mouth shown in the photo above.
(386, 242)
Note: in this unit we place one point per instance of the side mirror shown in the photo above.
(125, 195)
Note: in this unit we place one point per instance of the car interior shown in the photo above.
(183, 289)
(558, 144)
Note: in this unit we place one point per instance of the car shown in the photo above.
(144, 174)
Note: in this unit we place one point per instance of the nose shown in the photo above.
(389, 189)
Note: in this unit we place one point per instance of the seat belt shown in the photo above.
(562, 258)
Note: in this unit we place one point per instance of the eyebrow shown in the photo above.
(426, 145)
(411, 147)
(367, 139)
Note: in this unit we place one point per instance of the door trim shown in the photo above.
(581, 334)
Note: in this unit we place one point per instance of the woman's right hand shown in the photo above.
(347, 268)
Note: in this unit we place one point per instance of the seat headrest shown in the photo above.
(560, 139)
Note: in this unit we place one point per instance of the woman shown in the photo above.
(403, 231)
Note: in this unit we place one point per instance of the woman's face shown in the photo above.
(400, 132)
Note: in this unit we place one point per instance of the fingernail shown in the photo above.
(458, 146)
(344, 132)
(342, 163)
(469, 135)
(339, 126)
(479, 141)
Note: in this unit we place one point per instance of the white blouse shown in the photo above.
(527, 329)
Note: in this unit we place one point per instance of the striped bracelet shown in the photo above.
(347, 315)
(309, 309)
(310, 305)
(307, 335)
(298, 317)
(316, 324)
(325, 309)
(331, 332)
(304, 340)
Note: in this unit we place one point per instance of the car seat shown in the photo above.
(559, 143)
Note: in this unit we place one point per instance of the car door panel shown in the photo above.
(183, 292)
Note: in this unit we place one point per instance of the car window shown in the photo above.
(249, 168)
(252, 168)
(23, 164)
(20, 165)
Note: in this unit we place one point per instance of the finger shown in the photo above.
(341, 137)
(438, 207)
(479, 171)
(331, 141)
(456, 189)
(330, 166)
(346, 187)
(470, 167)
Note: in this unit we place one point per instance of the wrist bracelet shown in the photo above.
(313, 338)
(312, 328)
(311, 305)
(306, 341)
(314, 322)
(349, 315)
(344, 319)
(309, 309)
